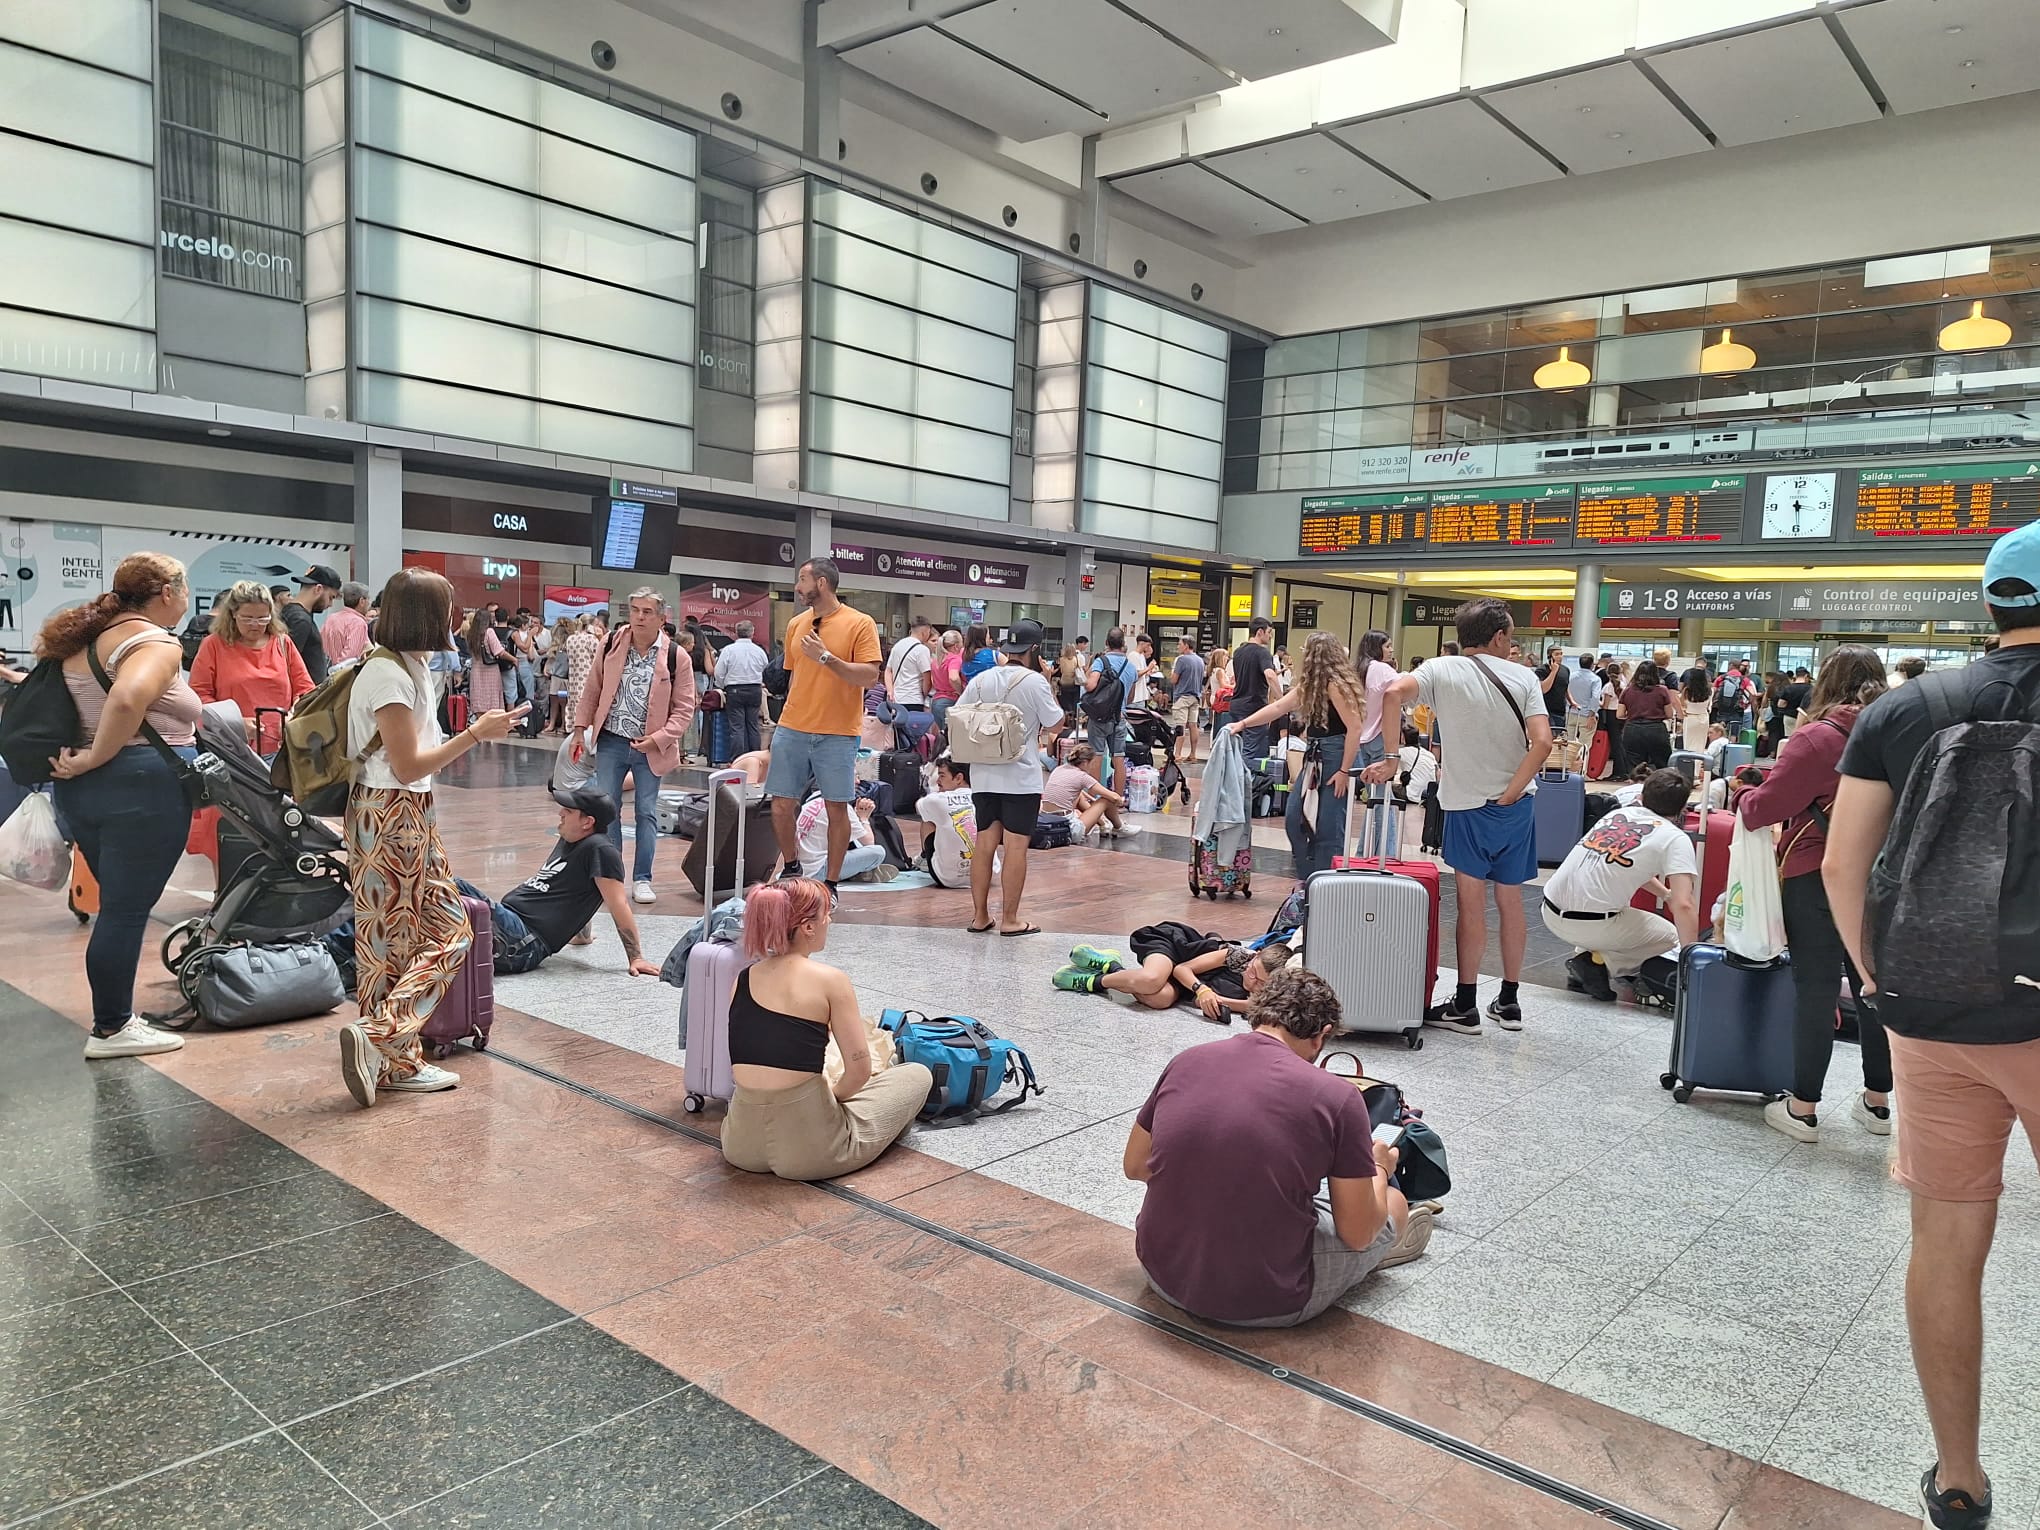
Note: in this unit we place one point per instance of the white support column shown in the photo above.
(1692, 637)
(378, 514)
(1076, 621)
(1586, 608)
(821, 92)
(1264, 594)
(813, 534)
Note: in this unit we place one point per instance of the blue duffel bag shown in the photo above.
(970, 1064)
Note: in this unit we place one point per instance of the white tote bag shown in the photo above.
(1753, 921)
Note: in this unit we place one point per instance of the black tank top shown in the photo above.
(766, 1038)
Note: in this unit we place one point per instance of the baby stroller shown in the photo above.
(1149, 731)
(281, 877)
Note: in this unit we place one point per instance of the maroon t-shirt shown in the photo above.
(1244, 1132)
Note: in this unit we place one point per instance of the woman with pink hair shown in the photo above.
(785, 1118)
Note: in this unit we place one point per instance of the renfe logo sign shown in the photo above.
(220, 249)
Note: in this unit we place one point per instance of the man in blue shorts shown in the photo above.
(1496, 734)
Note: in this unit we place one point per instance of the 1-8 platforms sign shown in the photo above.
(1890, 601)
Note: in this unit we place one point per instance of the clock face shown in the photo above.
(1799, 505)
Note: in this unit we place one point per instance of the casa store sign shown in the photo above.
(494, 521)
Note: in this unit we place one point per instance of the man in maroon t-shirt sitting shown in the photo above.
(1233, 1144)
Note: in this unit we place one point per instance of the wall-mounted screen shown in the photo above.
(1532, 515)
(1660, 510)
(634, 528)
(1960, 501)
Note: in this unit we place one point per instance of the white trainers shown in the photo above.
(137, 1038)
(429, 1079)
(1778, 1115)
(360, 1064)
(642, 893)
(1876, 1121)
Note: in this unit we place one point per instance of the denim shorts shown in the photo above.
(1494, 843)
(827, 760)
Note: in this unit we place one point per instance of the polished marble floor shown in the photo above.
(1668, 1305)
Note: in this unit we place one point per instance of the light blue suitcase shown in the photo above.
(1561, 814)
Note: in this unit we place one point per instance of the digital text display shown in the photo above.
(1970, 501)
(1660, 510)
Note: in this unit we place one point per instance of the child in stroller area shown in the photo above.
(1148, 733)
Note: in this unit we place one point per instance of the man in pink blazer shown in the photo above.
(635, 708)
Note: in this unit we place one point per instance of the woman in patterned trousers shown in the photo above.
(411, 933)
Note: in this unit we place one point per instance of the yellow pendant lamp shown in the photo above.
(1562, 373)
(1975, 333)
(1725, 356)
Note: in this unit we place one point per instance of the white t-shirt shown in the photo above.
(1031, 694)
(1422, 767)
(955, 821)
(1618, 855)
(1629, 794)
(811, 835)
(908, 668)
(1480, 740)
(383, 681)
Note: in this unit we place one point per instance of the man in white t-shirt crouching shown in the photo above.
(1587, 900)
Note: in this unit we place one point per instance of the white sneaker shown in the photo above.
(1126, 831)
(429, 1079)
(1778, 1115)
(137, 1038)
(360, 1064)
(1871, 1122)
(642, 893)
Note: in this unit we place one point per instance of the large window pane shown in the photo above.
(857, 320)
(95, 110)
(1462, 335)
(113, 34)
(443, 410)
(841, 372)
(844, 260)
(77, 274)
(45, 346)
(903, 231)
(53, 184)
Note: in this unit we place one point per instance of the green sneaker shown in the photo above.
(1076, 980)
(1096, 959)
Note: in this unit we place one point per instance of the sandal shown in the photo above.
(977, 929)
(1025, 929)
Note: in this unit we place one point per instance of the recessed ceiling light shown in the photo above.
(1303, 169)
(1969, 63)
(1338, 191)
(1277, 31)
(217, 430)
(1586, 111)
(1954, 31)
(1614, 135)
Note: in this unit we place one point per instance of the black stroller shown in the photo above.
(1150, 732)
(281, 877)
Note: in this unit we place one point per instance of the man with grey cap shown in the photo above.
(553, 907)
(318, 587)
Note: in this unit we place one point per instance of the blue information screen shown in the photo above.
(625, 531)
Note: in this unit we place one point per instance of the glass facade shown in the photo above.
(1154, 412)
(1832, 358)
(77, 192)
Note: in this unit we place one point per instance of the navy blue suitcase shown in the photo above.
(1732, 1026)
(1561, 814)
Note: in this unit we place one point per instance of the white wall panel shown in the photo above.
(77, 104)
(451, 411)
(89, 192)
(67, 273)
(46, 345)
(842, 260)
(843, 373)
(114, 34)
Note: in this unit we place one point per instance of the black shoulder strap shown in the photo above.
(1937, 689)
(1496, 681)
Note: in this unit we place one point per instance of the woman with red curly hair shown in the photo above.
(118, 790)
(785, 1118)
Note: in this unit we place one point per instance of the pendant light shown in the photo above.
(1562, 373)
(1724, 356)
(1975, 333)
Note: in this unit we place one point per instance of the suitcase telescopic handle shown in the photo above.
(716, 780)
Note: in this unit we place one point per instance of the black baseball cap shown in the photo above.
(1025, 634)
(585, 799)
(318, 573)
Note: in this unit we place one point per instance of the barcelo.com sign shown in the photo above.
(221, 249)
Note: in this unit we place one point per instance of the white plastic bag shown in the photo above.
(568, 773)
(31, 849)
(1753, 919)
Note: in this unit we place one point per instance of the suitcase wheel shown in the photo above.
(1413, 1038)
(1666, 1080)
(693, 1103)
(1683, 1093)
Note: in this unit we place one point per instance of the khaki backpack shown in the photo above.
(315, 763)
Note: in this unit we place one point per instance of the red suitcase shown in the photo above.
(469, 1008)
(457, 711)
(1713, 844)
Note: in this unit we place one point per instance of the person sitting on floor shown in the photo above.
(785, 1119)
(1174, 962)
(1587, 900)
(552, 908)
(1073, 789)
(951, 818)
(1232, 1146)
(864, 861)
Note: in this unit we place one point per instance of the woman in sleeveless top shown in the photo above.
(119, 793)
(785, 1118)
(1332, 706)
(485, 676)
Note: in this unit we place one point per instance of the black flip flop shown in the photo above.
(977, 929)
(1031, 929)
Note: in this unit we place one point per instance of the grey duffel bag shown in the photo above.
(240, 985)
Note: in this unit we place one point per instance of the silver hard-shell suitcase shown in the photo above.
(1367, 933)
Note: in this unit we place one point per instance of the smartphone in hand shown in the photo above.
(1390, 1134)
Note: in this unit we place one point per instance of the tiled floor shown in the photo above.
(1670, 1305)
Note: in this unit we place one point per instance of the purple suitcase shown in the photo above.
(469, 1008)
(712, 968)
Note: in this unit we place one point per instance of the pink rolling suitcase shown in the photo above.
(712, 968)
(469, 1008)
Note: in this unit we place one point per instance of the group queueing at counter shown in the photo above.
(1926, 768)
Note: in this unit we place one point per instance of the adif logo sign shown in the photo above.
(220, 249)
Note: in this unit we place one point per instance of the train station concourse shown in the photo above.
(851, 763)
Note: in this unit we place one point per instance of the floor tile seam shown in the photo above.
(463, 1262)
(1022, 1152)
(152, 1110)
(327, 1472)
(823, 1469)
(140, 1477)
(310, 1168)
(228, 1117)
(206, 1264)
(565, 1439)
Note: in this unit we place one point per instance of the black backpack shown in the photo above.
(1106, 701)
(1953, 918)
(41, 721)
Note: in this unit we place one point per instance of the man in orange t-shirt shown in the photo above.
(832, 655)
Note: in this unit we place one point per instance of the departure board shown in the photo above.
(1660, 510)
(1966, 501)
(1530, 515)
(1344, 523)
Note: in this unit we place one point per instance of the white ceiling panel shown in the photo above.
(927, 63)
(1271, 37)
(1769, 84)
(1669, 21)
(1091, 50)
(1932, 53)
(1315, 178)
(1601, 119)
(1451, 150)
(1195, 195)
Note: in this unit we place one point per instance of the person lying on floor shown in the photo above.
(1174, 962)
(864, 861)
(1232, 1145)
(1586, 901)
(552, 908)
(786, 1118)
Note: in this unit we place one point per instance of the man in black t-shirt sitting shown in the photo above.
(551, 908)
